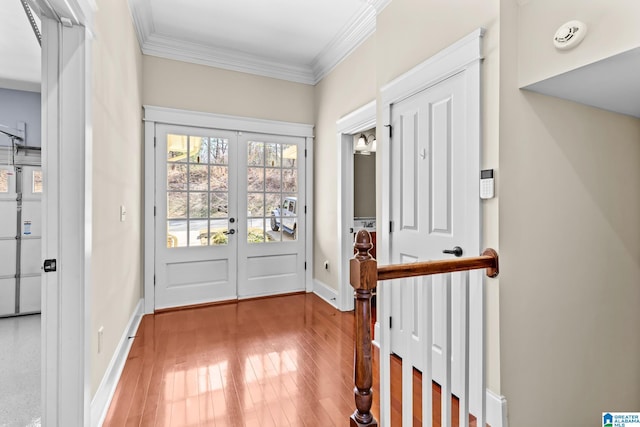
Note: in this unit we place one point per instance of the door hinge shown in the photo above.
(305, 152)
(390, 322)
(305, 209)
(305, 265)
(390, 130)
(154, 211)
(154, 280)
(154, 141)
(390, 226)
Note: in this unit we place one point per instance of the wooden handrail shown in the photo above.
(364, 276)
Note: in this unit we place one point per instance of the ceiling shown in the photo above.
(296, 40)
(19, 49)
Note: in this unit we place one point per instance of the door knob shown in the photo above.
(232, 231)
(457, 251)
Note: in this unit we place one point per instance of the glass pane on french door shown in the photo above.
(197, 190)
(272, 192)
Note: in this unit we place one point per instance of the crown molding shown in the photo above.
(167, 47)
(345, 42)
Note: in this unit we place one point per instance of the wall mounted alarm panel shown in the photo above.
(486, 184)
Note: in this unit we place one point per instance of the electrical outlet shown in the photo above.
(100, 333)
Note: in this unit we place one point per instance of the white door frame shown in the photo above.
(364, 118)
(66, 204)
(171, 116)
(465, 56)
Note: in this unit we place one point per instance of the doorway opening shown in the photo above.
(356, 134)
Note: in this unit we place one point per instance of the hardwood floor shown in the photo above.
(282, 361)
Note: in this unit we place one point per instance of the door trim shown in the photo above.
(463, 56)
(161, 115)
(66, 204)
(362, 119)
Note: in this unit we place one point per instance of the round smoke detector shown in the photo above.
(569, 35)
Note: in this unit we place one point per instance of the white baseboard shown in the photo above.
(496, 410)
(104, 394)
(325, 292)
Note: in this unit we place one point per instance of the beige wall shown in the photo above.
(187, 86)
(410, 31)
(612, 27)
(116, 266)
(570, 253)
(364, 185)
(349, 86)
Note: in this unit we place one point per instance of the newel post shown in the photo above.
(364, 278)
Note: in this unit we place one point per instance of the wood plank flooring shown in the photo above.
(282, 361)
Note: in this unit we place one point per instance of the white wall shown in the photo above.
(117, 180)
(187, 86)
(349, 86)
(612, 27)
(20, 106)
(570, 251)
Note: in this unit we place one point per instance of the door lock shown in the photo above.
(232, 220)
(457, 251)
(232, 231)
(49, 265)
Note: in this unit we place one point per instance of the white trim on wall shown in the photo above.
(104, 394)
(496, 410)
(362, 119)
(325, 292)
(67, 201)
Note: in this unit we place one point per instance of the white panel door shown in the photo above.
(196, 215)
(430, 188)
(271, 186)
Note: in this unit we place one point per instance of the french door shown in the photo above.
(229, 215)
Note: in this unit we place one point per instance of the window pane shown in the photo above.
(4, 181)
(198, 177)
(272, 155)
(177, 148)
(176, 205)
(176, 234)
(218, 151)
(272, 202)
(289, 156)
(255, 179)
(198, 232)
(255, 153)
(176, 176)
(218, 232)
(37, 182)
(274, 229)
(219, 205)
(255, 231)
(273, 179)
(198, 205)
(195, 148)
(219, 178)
(255, 204)
(289, 180)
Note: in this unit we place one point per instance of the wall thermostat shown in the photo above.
(486, 184)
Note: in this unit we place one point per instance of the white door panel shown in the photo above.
(271, 184)
(195, 211)
(430, 194)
